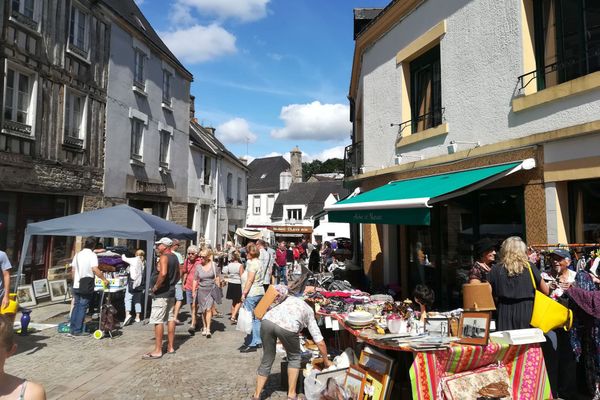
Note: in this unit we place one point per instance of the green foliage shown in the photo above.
(320, 167)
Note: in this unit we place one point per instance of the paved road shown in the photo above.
(85, 368)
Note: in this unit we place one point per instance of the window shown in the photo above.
(256, 205)
(270, 203)
(78, 32)
(426, 91)
(294, 213)
(137, 136)
(165, 142)
(207, 165)
(583, 199)
(166, 87)
(567, 40)
(24, 7)
(229, 188)
(18, 98)
(74, 121)
(239, 191)
(138, 72)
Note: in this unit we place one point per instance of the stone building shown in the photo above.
(54, 60)
(471, 119)
(148, 118)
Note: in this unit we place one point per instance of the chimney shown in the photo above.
(210, 130)
(192, 107)
(296, 164)
(244, 160)
(285, 180)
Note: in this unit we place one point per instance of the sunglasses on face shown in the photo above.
(192, 254)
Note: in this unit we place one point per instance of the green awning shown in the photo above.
(408, 202)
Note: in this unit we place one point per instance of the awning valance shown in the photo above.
(407, 202)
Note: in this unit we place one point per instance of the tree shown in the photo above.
(319, 167)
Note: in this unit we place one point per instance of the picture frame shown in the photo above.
(59, 290)
(354, 386)
(26, 296)
(474, 327)
(322, 377)
(372, 360)
(437, 326)
(41, 288)
(373, 387)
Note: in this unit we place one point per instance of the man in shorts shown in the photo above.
(165, 277)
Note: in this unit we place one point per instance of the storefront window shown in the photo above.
(441, 254)
(584, 211)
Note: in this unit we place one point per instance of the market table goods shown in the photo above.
(527, 376)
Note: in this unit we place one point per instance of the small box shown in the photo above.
(113, 283)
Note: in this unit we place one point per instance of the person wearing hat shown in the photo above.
(485, 256)
(563, 276)
(164, 279)
(558, 353)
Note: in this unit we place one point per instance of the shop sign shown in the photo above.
(149, 187)
(402, 216)
(291, 229)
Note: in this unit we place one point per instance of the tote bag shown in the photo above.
(547, 313)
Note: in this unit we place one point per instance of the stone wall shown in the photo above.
(179, 213)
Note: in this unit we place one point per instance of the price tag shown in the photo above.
(328, 322)
(335, 325)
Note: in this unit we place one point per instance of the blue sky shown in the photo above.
(268, 74)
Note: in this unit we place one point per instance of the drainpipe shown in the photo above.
(217, 205)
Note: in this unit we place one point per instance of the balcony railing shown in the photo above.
(73, 142)
(17, 128)
(353, 159)
(240, 202)
(229, 201)
(422, 122)
(24, 20)
(561, 71)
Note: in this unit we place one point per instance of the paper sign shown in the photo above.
(328, 322)
(335, 325)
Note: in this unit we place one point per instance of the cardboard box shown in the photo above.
(478, 297)
(263, 305)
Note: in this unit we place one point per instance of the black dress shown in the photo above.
(514, 296)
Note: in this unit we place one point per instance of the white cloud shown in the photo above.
(235, 130)
(314, 121)
(181, 15)
(198, 43)
(333, 152)
(244, 10)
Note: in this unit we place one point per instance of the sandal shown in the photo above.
(149, 356)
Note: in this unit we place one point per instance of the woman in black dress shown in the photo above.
(512, 286)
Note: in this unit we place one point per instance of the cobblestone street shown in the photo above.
(85, 368)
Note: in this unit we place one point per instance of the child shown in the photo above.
(12, 387)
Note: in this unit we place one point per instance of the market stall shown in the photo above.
(115, 222)
(442, 357)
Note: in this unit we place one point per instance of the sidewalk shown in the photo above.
(85, 368)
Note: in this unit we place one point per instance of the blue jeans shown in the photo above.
(80, 306)
(283, 275)
(253, 339)
(130, 298)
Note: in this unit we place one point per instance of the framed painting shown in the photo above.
(41, 288)
(26, 296)
(474, 327)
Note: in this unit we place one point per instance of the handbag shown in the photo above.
(216, 292)
(547, 313)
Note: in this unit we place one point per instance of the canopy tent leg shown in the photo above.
(26, 240)
(149, 265)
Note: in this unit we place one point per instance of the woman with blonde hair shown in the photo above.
(512, 286)
(135, 289)
(234, 269)
(206, 281)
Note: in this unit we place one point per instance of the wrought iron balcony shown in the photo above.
(24, 20)
(73, 142)
(79, 51)
(561, 71)
(422, 122)
(353, 159)
(240, 202)
(17, 128)
(229, 201)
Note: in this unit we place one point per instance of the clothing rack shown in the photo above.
(564, 245)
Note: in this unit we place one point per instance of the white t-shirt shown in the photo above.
(82, 264)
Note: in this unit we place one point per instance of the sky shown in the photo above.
(269, 75)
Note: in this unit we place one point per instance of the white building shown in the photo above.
(267, 177)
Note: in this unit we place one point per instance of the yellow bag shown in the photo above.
(549, 314)
(12, 306)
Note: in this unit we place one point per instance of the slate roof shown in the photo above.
(263, 174)
(205, 139)
(312, 194)
(129, 11)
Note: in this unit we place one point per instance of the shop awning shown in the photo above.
(407, 202)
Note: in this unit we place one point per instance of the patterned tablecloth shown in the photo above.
(524, 364)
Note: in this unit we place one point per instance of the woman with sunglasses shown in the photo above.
(206, 281)
(190, 264)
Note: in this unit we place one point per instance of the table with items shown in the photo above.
(432, 360)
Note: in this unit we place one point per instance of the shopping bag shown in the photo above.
(549, 314)
(244, 323)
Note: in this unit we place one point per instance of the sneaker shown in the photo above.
(127, 320)
(138, 320)
(249, 349)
